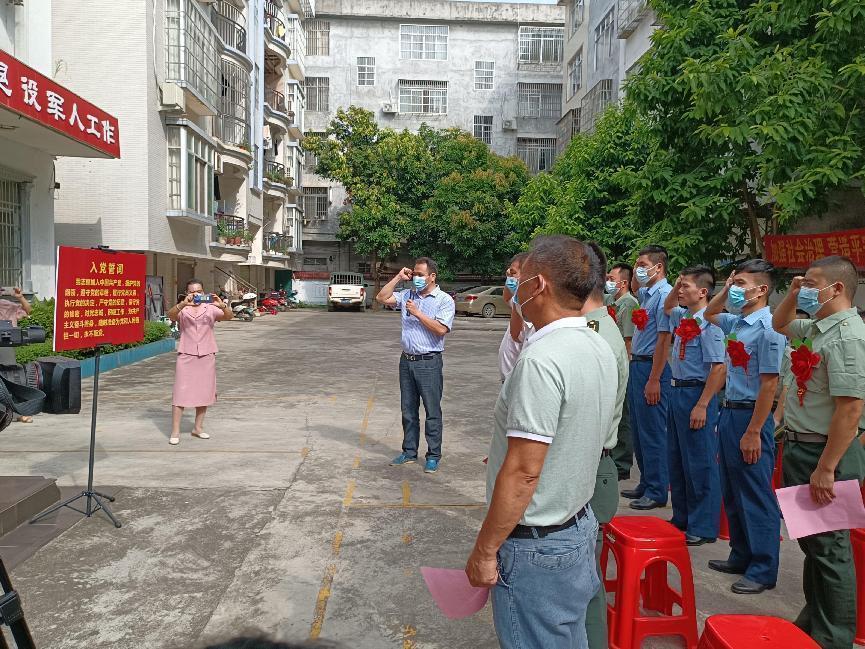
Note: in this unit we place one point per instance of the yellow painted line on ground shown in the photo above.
(407, 538)
(321, 602)
(337, 543)
(408, 635)
(356, 462)
(364, 425)
(304, 452)
(349, 494)
(406, 494)
(418, 506)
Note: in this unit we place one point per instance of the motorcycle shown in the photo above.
(291, 299)
(243, 309)
(268, 304)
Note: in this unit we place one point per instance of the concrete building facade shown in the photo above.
(494, 70)
(210, 95)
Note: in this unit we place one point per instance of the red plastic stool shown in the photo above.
(641, 543)
(724, 528)
(753, 632)
(857, 540)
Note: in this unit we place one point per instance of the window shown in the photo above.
(576, 12)
(538, 153)
(310, 160)
(315, 261)
(484, 128)
(192, 49)
(11, 263)
(540, 99)
(364, 267)
(542, 45)
(423, 42)
(575, 73)
(604, 38)
(318, 94)
(484, 71)
(497, 291)
(424, 97)
(317, 37)
(315, 203)
(190, 185)
(366, 70)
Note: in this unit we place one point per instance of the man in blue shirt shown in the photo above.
(697, 366)
(427, 317)
(746, 426)
(649, 380)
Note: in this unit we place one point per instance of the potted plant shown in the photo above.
(248, 237)
(221, 232)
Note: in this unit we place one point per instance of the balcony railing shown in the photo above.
(276, 173)
(226, 210)
(276, 100)
(230, 25)
(296, 39)
(231, 230)
(631, 12)
(192, 50)
(277, 243)
(232, 130)
(595, 103)
(273, 23)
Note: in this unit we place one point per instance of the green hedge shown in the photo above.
(153, 331)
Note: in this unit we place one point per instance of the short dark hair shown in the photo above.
(253, 642)
(431, 266)
(518, 258)
(704, 276)
(628, 272)
(839, 269)
(602, 265)
(658, 255)
(760, 267)
(194, 280)
(571, 267)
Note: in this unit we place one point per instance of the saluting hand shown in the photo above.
(412, 307)
(729, 281)
(405, 274)
(796, 284)
(823, 486)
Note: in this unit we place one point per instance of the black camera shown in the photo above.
(198, 298)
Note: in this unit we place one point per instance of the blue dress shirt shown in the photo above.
(700, 352)
(652, 300)
(438, 305)
(765, 346)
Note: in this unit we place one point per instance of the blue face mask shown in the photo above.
(643, 276)
(511, 283)
(610, 287)
(419, 282)
(736, 300)
(809, 300)
(515, 300)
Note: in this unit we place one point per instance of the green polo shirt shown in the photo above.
(609, 331)
(840, 342)
(556, 395)
(625, 306)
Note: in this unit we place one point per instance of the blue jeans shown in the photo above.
(421, 381)
(649, 426)
(544, 588)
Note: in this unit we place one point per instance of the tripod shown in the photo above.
(11, 614)
(94, 500)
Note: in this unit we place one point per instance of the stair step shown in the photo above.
(22, 497)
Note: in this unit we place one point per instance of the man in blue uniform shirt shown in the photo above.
(697, 366)
(649, 380)
(746, 426)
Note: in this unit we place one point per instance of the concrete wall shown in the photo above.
(608, 66)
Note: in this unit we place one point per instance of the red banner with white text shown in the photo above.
(799, 250)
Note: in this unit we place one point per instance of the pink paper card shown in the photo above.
(804, 517)
(453, 593)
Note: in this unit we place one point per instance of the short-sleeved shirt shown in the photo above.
(509, 349)
(556, 395)
(840, 341)
(625, 306)
(700, 353)
(652, 300)
(609, 331)
(12, 311)
(417, 339)
(764, 345)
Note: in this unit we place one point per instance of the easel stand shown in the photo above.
(94, 500)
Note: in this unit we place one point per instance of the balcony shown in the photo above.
(595, 103)
(233, 131)
(276, 32)
(631, 12)
(230, 25)
(276, 173)
(295, 113)
(230, 231)
(275, 100)
(296, 39)
(192, 53)
(277, 245)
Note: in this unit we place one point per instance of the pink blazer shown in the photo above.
(196, 330)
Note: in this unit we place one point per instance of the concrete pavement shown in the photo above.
(289, 520)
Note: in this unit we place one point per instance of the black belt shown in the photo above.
(805, 438)
(531, 532)
(420, 357)
(642, 357)
(690, 383)
(738, 405)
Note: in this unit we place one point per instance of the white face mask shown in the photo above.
(611, 287)
(515, 300)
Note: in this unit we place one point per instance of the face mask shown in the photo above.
(515, 300)
(512, 283)
(643, 276)
(419, 283)
(808, 299)
(736, 300)
(611, 287)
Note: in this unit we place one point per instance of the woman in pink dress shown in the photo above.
(195, 376)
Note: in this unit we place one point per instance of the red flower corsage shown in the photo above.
(640, 318)
(802, 364)
(736, 350)
(687, 330)
(612, 311)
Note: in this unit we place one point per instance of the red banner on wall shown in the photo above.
(799, 250)
(100, 298)
(33, 95)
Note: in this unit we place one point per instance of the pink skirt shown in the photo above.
(195, 381)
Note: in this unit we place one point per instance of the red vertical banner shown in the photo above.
(100, 298)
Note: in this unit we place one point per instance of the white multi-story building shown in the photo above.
(492, 69)
(40, 120)
(210, 96)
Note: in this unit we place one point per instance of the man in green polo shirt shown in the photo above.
(823, 415)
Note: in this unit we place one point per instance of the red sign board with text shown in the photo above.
(799, 250)
(100, 298)
(33, 95)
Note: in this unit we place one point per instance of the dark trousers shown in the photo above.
(421, 380)
(623, 451)
(650, 431)
(752, 508)
(604, 503)
(829, 575)
(695, 482)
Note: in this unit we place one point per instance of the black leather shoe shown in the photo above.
(645, 504)
(694, 541)
(748, 587)
(632, 494)
(726, 567)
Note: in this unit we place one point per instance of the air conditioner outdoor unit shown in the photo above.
(173, 97)
(388, 108)
(509, 125)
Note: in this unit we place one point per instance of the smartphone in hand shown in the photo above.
(202, 299)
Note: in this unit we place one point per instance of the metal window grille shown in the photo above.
(484, 73)
(364, 267)
(173, 135)
(595, 103)
(310, 160)
(542, 45)
(575, 73)
(318, 94)
(11, 262)
(315, 203)
(423, 97)
(566, 129)
(604, 37)
(539, 99)
(235, 91)
(577, 11)
(199, 174)
(631, 12)
(192, 50)
(231, 25)
(318, 37)
(315, 261)
(366, 70)
(423, 42)
(539, 154)
(483, 128)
